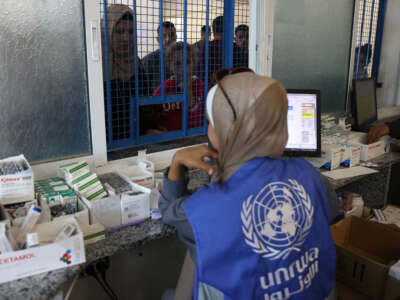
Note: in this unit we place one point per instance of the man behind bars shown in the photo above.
(152, 61)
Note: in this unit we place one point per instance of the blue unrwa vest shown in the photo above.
(264, 234)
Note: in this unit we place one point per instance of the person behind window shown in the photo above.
(241, 46)
(260, 230)
(152, 61)
(215, 50)
(201, 43)
(121, 72)
(390, 128)
(171, 113)
(363, 64)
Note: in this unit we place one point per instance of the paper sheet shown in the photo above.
(349, 172)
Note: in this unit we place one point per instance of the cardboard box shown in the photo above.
(106, 211)
(392, 289)
(91, 232)
(346, 293)
(365, 251)
(135, 208)
(392, 214)
(81, 216)
(17, 187)
(117, 210)
(4, 217)
(373, 150)
(23, 263)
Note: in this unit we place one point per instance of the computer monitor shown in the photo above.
(363, 103)
(304, 123)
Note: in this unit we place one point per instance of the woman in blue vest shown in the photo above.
(260, 230)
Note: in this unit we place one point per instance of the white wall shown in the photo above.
(389, 72)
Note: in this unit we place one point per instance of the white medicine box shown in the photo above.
(19, 186)
(350, 155)
(135, 206)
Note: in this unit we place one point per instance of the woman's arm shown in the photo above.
(173, 195)
(174, 191)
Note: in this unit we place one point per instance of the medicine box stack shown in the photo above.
(330, 158)
(350, 155)
(84, 182)
(55, 192)
(16, 180)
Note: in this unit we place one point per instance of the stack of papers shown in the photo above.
(349, 172)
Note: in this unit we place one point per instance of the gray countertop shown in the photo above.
(382, 163)
(42, 285)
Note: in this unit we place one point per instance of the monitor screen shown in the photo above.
(303, 122)
(364, 102)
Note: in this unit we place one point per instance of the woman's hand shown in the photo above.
(192, 157)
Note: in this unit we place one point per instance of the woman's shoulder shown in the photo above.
(207, 190)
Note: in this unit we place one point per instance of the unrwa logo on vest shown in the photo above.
(277, 221)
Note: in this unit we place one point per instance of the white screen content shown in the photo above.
(302, 122)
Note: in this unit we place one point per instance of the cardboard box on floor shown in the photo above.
(365, 251)
(392, 289)
(346, 293)
(392, 215)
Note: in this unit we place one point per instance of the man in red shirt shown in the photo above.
(171, 113)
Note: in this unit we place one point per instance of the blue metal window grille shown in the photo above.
(369, 38)
(157, 77)
(241, 44)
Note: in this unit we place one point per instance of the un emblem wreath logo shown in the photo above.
(277, 221)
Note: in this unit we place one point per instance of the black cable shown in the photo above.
(103, 265)
(92, 271)
(105, 288)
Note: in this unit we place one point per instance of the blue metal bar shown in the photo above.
(229, 21)
(134, 100)
(195, 131)
(369, 38)
(161, 35)
(378, 39)
(359, 46)
(162, 137)
(185, 75)
(121, 144)
(142, 101)
(206, 62)
(108, 79)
